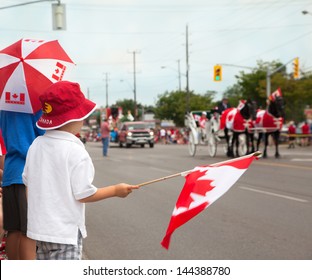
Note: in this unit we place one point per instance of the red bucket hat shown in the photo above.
(62, 103)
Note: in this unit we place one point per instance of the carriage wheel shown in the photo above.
(191, 145)
(242, 146)
(212, 145)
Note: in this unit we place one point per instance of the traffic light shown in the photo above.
(217, 73)
(296, 68)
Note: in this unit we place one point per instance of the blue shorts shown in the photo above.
(56, 251)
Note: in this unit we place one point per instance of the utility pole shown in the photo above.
(270, 73)
(106, 86)
(187, 72)
(179, 71)
(268, 82)
(134, 84)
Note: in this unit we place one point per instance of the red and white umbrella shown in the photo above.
(27, 69)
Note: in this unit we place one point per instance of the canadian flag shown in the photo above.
(15, 98)
(59, 71)
(275, 94)
(203, 186)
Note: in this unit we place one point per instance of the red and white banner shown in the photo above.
(203, 186)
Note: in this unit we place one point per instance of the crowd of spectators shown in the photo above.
(299, 134)
(171, 136)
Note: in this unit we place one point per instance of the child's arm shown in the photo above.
(120, 190)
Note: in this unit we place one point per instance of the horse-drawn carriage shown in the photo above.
(237, 127)
(210, 134)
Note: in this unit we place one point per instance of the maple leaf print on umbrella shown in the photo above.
(27, 68)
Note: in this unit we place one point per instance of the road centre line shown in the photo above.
(274, 194)
(301, 159)
(255, 190)
(283, 165)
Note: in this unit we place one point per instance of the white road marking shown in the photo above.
(274, 194)
(301, 159)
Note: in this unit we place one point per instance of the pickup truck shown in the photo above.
(135, 133)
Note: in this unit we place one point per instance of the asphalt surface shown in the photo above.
(266, 215)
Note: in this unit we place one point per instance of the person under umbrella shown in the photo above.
(27, 68)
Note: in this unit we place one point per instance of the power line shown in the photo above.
(279, 46)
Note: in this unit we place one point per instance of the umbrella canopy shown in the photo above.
(27, 69)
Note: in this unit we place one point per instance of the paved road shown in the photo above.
(267, 214)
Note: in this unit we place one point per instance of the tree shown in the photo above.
(128, 105)
(253, 84)
(233, 94)
(296, 93)
(172, 105)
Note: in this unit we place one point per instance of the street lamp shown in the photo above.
(179, 72)
(306, 12)
(58, 12)
(59, 16)
(106, 87)
(28, 3)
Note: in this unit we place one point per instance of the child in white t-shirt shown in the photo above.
(58, 174)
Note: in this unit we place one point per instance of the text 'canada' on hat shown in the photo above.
(62, 103)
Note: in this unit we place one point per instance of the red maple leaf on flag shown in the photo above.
(203, 186)
(197, 186)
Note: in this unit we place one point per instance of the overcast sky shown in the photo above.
(101, 36)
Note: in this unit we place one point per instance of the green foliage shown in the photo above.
(250, 84)
(253, 84)
(173, 105)
(126, 105)
(297, 93)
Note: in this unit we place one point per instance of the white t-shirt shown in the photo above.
(58, 172)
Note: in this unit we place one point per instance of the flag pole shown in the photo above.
(184, 173)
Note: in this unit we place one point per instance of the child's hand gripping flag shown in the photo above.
(202, 187)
